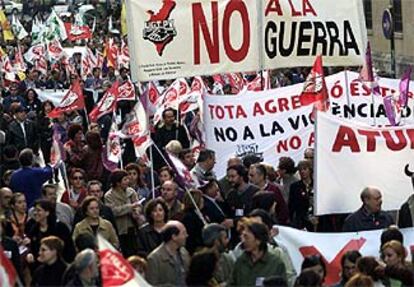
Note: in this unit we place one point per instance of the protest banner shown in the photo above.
(296, 31)
(332, 246)
(205, 37)
(351, 156)
(55, 96)
(191, 37)
(349, 98)
(268, 124)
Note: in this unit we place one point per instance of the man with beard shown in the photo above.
(215, 238)
(241, 195)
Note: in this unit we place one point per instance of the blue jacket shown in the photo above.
(29, 181)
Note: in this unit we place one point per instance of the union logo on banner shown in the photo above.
(159, 29)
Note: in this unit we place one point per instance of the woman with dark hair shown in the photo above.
(52, 267)
(74, 146)
(300, 202)
(136, 182)
(93, 223)
(43, 224)
(256, 262)
(368, 265)
(308, 278)
(123, 201)
(77, 189)
(315, 264)
(348, 265)
(201, 270)
(33, 104)
(192, 219)
(149, 235)
(45, 128)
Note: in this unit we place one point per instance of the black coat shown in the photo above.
(11, 249)
(49, 275)
(298, 205)
(212, 212)
(148, 239)
(194, 226)
(58, 229)
(404, 218)
(16, 136)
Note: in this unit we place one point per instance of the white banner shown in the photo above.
(229, 120)
(172, 39)
(296, 31)
(332, 246)
(55, 96)
(268, 124)
(351, 156)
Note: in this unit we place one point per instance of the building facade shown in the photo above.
(403, 37)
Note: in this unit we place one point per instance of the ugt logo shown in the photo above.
(159, 29)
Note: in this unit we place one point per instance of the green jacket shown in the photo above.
(247, 273)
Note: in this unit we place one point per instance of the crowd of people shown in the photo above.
(218, 232)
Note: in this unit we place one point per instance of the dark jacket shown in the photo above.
(58, 229)
(213, 211)
(241, 200)
(49, 275)
(148, 239)
(11, 250)
(298, 205)
(362, 220)
(194, 226)
(16, 136)
(404, 218)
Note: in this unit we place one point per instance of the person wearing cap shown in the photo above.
(22, 132)
(215, 238)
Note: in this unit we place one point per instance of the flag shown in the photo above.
(6, 27)
(41, 65)
(190, 101)
(123, 56)
(38, 31)
(107, 104)
(19, 64)
(72, 101)
(260, 83)
(111, 27)
(55, 51)
(236, 82)
(56, 150)
(35, 52)
(111, 53)
(115, 269)
(76, 32)
(8, 275)
(126, 92)
(314, 88)
(149, 98)
(55, 28)
(404, 88)
(18, 30)
(183, 175)
(366, 75)
(394, 104)
(124, 29)
(218, 85)
(113, 144)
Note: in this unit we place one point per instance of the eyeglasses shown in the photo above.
(77, 177)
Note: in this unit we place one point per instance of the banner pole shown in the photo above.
(152, 173)
(259, 7)
(348, 99)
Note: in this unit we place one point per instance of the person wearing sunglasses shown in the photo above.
(77, 190)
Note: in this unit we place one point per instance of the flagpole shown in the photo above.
(86, 116)
(152, 173)
(373, 107)
(348, 99)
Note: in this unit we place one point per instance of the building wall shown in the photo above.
(404, 42)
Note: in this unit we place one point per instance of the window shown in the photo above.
(398, 25)
(368, 13)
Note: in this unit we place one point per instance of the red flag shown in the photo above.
(72, 101)
(115, 269)
(107, 104)
(76, 32)
(314, 88)
(126, 92)
(111, 53)
(8, 275)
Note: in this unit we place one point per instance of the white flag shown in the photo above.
(18, 30)
(115, 269)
